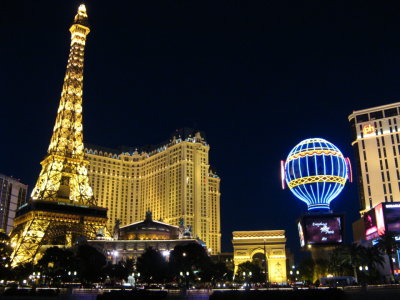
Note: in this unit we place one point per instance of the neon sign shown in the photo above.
(368, 129)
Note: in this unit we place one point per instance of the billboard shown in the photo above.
(383, 217)
(323, 229)
(392, 217)
(371, 230)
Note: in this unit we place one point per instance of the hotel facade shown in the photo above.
(12, 195)
(172, 181)
(376, 143)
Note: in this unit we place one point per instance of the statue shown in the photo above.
(185, 232)
(116, 229)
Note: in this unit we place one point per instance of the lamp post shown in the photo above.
(72, 275)
(246, 277)
(294, 274)
(363, 271)
(114, 254)
(185, 277)
(265, 264)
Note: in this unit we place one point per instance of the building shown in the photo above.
(173, 180)
(12, 195)
(262, 245)
(376, 143)
(62, 208)
(132, 240)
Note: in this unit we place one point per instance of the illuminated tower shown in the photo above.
(62, 206)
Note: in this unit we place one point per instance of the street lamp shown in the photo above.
(361, 268)
(246, 278)
(114, 254)
(365, 269)
(185, 276)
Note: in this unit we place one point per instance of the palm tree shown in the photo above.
(373, 257)
(353, 256)
(388, 244)
(336, 265)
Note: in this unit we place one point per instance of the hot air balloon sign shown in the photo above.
(315, 172)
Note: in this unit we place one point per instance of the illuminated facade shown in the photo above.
(62, 207)
(12, 195)
(316, 172)
(133, 239)
(247, 245)
(173, 181)
(376, 143)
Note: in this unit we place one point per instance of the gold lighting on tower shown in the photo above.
(62, 207)
(64, 174)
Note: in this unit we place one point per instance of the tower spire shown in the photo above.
(64, 174)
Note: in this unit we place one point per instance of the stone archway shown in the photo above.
(269, 243)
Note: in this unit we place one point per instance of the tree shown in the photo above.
(306, 269)
(373, 259)
(347, 259)
(5, 256)
(152, 266)
(191, 259)
(321, 267)
(220, 272)
(388, 245)
(22, 271)
(56, 264)
(90, 264)
(353, 256)
(249, 271)
(119, 271)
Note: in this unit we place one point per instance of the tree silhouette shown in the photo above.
(249, 271)
(119, 271)
(22, 271)
(353, 255)
(56, 263)
(152, 266)
(90, 263)
(191, 259)
(347, 259)
(5, 254)
(306, 269)
(388, 245)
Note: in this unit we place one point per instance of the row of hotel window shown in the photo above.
(391, 112)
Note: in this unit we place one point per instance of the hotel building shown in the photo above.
(172, 181)
(376, 143)
(12, 195)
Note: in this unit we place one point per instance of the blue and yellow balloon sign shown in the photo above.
(316, 172)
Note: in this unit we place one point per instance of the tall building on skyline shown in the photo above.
(62, 207)
(12, 195)
(173, 181)
(376, 142)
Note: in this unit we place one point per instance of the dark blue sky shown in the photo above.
(256, 76)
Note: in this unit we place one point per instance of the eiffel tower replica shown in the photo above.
(62, 208)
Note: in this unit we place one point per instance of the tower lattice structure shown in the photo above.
(62, 207)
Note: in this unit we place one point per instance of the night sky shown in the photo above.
(256, 76)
